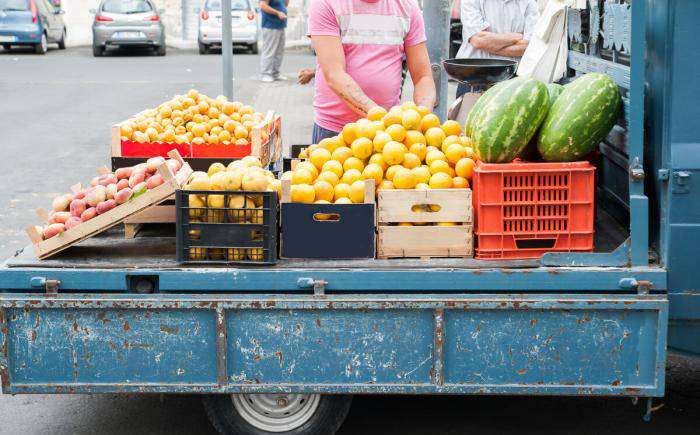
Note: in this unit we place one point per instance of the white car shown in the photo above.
(244, 25)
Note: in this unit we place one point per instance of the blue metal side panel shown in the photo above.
(111, 346)
(331, 347)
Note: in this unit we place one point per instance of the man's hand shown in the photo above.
(493, 42)
(281, 15)
(305, 76)
(424, 93)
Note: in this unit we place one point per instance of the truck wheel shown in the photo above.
(286, 414)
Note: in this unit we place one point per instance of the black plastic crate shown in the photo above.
(346, 233)
(239, 232)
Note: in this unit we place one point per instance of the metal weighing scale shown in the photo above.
(475, 72)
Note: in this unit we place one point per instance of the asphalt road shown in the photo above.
(55, 113)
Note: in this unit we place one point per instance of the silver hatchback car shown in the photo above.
(127, 23)
(244, 24)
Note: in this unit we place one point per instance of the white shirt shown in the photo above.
(497, 16)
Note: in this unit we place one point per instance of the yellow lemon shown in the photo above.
(366, 128)
(449, 140)
(434, 155)
(430, 148)
(302, 176)
(357, 191)
(466, 141)
(404, 179)
(409, 105)
(287, 175)
(320, 156)
(392, 118)
(341, 154)
(469, 152)
(304, 154)
(330, 177)
(435, 136)
(333, 166)
(393, 152)
(350, 176)
(378, 159)
(353, 163)
(378, 125)
(349, 133)
(410, 119)
(330, 143)
(460, 183)
(418, 149)
(455, 152)
(413, 136)
(391, 171)
(465, 168)
(343, 200)
(309, 167)
(445, 224)
(380, 139)
(323, 190)
(439, 166)
(385, 185)
(396, 131)
(451, 128)
(422, 186)
(342, 190)
(362, 148)
(429, 121)
(303, 193)
(215, 167)
(373, 171)
(440, 180)
(410, 161)
(404, 224)
(376, 113)
(423, 111)
(422, 174)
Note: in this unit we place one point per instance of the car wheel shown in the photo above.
(98, 50)
(43, 46)
(6, 47)
(62, 41)
(254, 48)
(160, 50)
(203, 48)
(285, 414)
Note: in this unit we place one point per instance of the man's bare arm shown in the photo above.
(331, 58)
(419, 67)
(265, 7)
(492, 42)
(515, 50)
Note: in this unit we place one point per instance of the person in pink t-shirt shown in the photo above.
(360, 46)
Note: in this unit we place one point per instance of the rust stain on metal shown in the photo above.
(172, 330)
(616, 383)
(33, 334)
(582, 320)
(279, 357)
(126, 326)
(521, 371)
(318, 322)
(533, 322)
(75, 325)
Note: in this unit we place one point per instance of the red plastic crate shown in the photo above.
(524, 210)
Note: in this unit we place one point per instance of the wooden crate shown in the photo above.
(46, 248)
(269, 151)
(424, 241)
(158, 214)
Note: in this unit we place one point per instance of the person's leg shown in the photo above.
(267, 55)
(321, 133)
(279, 53)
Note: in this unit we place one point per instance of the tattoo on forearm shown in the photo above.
(354, 97)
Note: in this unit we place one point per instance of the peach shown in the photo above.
(96, 196)
(123, 184)
(72, 222)
(77, 207)
(123, 195)
(88, 214)
(153, 163)
(123, 173)
(136, 178)
(111, 190)
(61, 203)
(174, 165)
(95, 181)
(139, 167)
(140, 187)
(107, 179)
(59, 217)
(154, 181)
(106, 206)
(53, 230)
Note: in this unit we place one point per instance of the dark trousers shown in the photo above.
(321, 133)
(463, 88)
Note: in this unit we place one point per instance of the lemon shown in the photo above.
(357, 191)
(381, 139)
(333, 166)
(404, 179)
(393, 117)
(412, 137)
(422, 174)
(330, 143)
(353, 163)
(433, 156)
(429, 121)
(446, 224)
(455, 152)
(303, 193)
(350, 176)
(397, 132)
(410, 119)
(302, 176)
(440, 180)
(410, 161)
(469, 152)
(349, 133)
(419, 149)
(422, 186)
(394, 152)
(385, 185)
(373, 172)
(439, 166)
(342, 190)
(389, 175)
(465, 168)
(309, 167)
(376, 113)
(366, 129)
(215, 167)
(323, 190)
(343, 200)
(435, 136)
(449, 140)
(329, 177)
(341, 154)
(320, 156)
(378, 159)
(460, 183)
(451, 128)
(362, 147)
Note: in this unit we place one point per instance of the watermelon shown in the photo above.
(554, 90)
(582, 115)
(530, 153)
(505, 118)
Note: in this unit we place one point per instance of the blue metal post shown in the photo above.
(437, 27)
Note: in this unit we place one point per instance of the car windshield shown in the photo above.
(14, 5)
(236, 5)
(126, 6)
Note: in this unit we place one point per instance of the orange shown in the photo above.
(362, 147)
(309, 167)
(396, 131)
(393, 152)
(389, 175)
(435, 136)
(302, 176)
(373, 171)
(330, 143)
(378, 159)
(449, 140)
(410, 119)
(324, 190)
(342, 190)
(469, 151)
(353, 163)
(460, 183)
(385, 185)
(376, 113)
(440, 180)
(455, 152)
(410, 161)
(434, 155)
(380, 139)
(329, 176)
(320, 156)
(439, 166)
(413, 136)
(349, 133)
(465, 168)
(451, 128)
(350, 176)
(357, 191)
(341, 154)
(303, 193)
(429, 121)
(419, 149)
(422, 174)
(404, 179)
(366, 128)
(333, 166)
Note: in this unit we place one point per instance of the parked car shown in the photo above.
(31, 23)
(127, 23)
(244, 25)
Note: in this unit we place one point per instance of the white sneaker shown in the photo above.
(267, 79)
(281, 78)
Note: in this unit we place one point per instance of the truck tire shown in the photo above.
(284, 414)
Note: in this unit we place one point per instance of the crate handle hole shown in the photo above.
(535, 243)
(426, 208)
(326, 217)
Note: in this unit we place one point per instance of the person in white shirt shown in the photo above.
(496, 29)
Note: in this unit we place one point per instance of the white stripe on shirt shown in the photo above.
(373, 29)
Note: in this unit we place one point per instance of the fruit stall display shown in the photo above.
(110, 198)
(199, 127)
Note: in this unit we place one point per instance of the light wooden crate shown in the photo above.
(424, 241)
(46, 248)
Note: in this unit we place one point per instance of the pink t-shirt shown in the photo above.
(373, 34)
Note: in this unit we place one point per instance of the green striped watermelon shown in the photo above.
(505, 118)
(554, 89)
(530, 152)
(582, 115)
